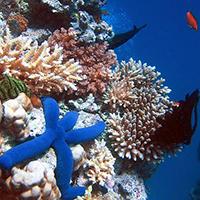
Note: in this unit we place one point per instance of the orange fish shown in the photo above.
(191, 20)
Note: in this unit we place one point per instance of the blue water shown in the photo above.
(169, 44)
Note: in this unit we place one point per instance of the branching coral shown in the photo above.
(138, 107)
(99, 167)
(95, 59)
(44, 72)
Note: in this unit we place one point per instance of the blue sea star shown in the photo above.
(58, 135)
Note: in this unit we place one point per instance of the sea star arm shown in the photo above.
(51, 111)
(69, 120)
(26, 150)
(63, 171)
(77, 136)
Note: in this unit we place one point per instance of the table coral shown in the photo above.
(96, 61)
(44, 72)
(59, 135)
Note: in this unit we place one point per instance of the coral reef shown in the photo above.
(44, 73)
(87, 105)
(96, 61)
(83, 16)
(11, 87)
(58, 134)
(99, 167)
(130, 186)
(15, 117)
(36, 180)
(137, 107)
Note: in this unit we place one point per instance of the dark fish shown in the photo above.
(120, 39)
(177, 128)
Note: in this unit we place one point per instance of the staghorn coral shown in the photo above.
(96, 60)
(44, 73)
(34, 181)
(133, 124)
(99, 168)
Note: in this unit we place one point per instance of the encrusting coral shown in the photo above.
(44, 72)
(15, 117)
(58, 135)
(96, 60)
(35, 180)
(17, 23)
(99, 167)
(136, 110)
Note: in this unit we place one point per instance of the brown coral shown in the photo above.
(95, 59)
(17, 23)
(131, 129)
(44, 72)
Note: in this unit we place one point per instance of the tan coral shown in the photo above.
(35, 181)
(44, 72)
(99, 168)
(95, 59)
(132, 124)
(79, 156)
(15, 116)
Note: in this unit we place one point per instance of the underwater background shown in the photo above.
(76, 123)
(169, 44)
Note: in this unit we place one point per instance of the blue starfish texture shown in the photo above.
(59, 134)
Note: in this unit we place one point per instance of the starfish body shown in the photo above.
(58, 135)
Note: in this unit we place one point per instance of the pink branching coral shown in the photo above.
(96, 60)
(138, 101)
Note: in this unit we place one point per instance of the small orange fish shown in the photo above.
(191, 20)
